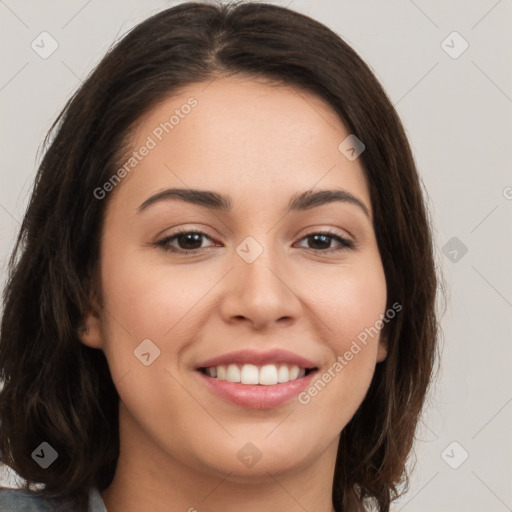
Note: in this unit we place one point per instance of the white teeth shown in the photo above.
(266, 375)
(249, 374)
(283, 375)
(233, 373)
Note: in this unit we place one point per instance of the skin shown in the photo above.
(260, 144)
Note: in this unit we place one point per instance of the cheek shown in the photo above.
(353, 311)
(155, 303)
(354, 301)
(149, 300)
(140, 304)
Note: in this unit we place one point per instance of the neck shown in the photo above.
(148, 479)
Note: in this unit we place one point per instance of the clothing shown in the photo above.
(18, 500)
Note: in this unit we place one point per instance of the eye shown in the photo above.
(190, 242)
(324, 239)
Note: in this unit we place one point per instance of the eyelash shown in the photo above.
(164, 243)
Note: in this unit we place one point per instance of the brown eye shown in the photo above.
(321, 242)
(187, 241)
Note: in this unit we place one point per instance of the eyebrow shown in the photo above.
(222, 203)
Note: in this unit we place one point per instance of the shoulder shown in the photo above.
(18, 500)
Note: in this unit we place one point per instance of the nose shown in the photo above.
(261, 293)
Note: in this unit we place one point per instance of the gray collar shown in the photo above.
(95, 501)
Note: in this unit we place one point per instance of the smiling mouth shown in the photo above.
(250, 374)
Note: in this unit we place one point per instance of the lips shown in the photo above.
(258, 391)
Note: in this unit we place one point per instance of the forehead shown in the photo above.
(244, 137)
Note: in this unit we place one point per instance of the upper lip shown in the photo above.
(258, 358)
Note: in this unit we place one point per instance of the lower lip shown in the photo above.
(257, 396)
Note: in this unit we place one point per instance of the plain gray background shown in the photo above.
(456, 108)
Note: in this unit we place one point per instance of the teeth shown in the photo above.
(283, 374)
(266, 375)
(233, 373)
(249, 374)
(221, 372)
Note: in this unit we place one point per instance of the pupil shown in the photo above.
(324, 237)
(187, 238)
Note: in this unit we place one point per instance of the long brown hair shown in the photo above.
(59, 391)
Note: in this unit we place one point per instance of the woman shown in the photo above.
(222, 294)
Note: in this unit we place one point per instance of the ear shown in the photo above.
(91, 333)
(382, 350)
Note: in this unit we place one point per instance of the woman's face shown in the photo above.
(260, 287)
